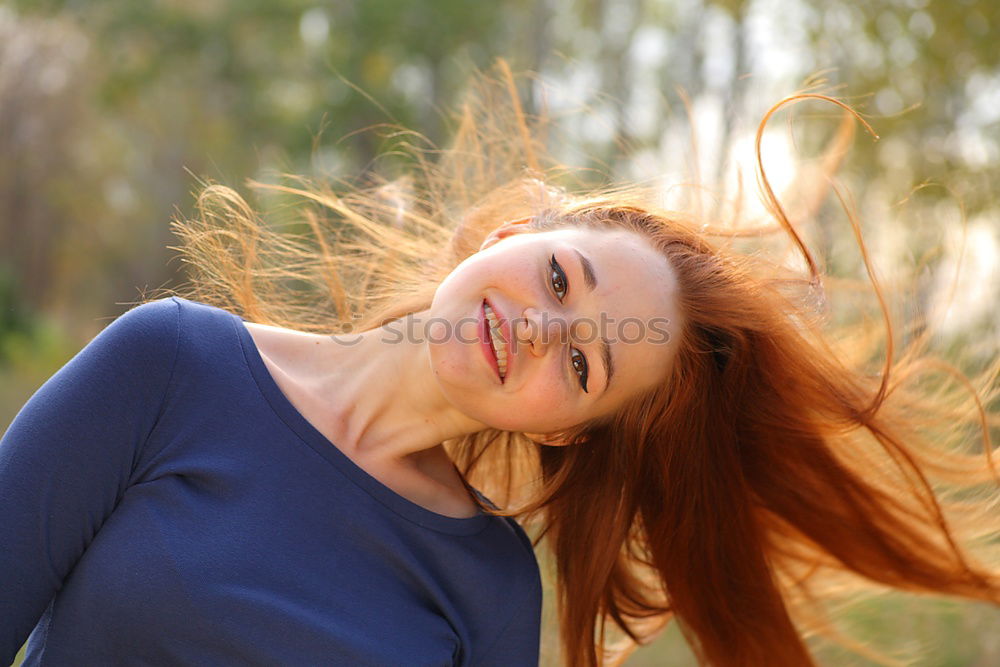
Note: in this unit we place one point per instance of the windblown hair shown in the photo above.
(768, 475)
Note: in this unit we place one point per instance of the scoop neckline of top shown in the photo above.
(309, 434)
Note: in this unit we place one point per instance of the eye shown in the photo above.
(561, 286)
(580, 366)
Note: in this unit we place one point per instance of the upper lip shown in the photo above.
(505, 334)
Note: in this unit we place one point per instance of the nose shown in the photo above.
(538, 330)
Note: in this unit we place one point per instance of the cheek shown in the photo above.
(544, 402)
(456, 364)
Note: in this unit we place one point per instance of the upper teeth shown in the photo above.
(498, 343)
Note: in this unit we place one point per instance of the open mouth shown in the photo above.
(497, 343)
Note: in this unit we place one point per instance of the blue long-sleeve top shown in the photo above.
(162, 502)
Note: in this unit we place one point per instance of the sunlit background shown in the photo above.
(111, 110)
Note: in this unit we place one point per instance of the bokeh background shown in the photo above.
(112, 110)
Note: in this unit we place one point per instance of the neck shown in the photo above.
(382, 400)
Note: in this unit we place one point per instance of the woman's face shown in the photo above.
(587, 319)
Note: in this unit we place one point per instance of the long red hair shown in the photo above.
(761, 463)
(770, 469)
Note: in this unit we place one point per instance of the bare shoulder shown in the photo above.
(286, 347)
(279, 336)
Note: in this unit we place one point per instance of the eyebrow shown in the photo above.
(590, 278)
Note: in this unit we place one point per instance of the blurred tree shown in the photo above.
(43, 89)
(219, 89)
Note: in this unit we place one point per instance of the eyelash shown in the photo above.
(556, 269)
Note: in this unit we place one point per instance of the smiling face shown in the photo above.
(588, 317)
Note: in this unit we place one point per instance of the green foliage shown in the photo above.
(14, 318)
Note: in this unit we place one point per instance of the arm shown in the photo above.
(66, 459)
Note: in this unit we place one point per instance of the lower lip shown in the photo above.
(484, 338)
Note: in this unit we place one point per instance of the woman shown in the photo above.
(200, 487)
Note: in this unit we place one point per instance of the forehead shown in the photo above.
(634, 304)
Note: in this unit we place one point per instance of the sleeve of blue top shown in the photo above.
(67, 457)
(518, 644)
